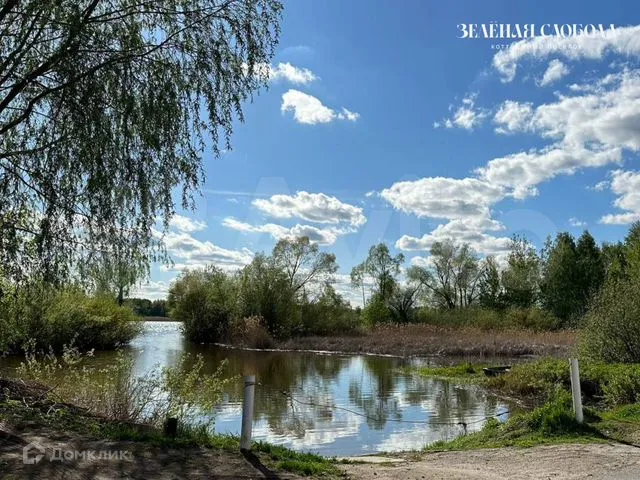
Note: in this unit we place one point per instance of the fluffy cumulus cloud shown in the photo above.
(554, 72)
(321, 236)
(461, 231)
(442, 197)
(313, 207)
(152, 290)
(309, 110)
(623, 41)
(626, 185)
(282, 72)
(187, 251)
(513, 117)
(466, 116)
(186, 224)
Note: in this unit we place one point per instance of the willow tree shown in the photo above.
(106, 107)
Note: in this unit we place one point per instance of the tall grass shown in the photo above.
(527, 318)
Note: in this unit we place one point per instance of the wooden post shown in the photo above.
(575, 389)
(247, 412)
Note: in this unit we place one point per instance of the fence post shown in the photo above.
(575, 389)
(247, 412)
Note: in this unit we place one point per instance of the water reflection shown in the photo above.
(331, 404)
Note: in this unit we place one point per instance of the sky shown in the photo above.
(413, 122)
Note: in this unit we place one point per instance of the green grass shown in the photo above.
(464, 371)
(552, 423)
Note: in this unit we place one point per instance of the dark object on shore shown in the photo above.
(495, 371)
(170, 427)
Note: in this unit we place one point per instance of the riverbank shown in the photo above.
(434, 340)
(30, 420)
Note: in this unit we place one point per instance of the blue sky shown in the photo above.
(381, 124)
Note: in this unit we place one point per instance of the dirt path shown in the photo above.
(142, 461)
(557, 462)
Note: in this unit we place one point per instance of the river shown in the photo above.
(328, 403)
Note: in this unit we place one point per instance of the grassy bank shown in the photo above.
(26, 409)
(611, 393)
(425, 340)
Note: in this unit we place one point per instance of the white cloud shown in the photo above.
(191, 252)
(321, 236)
(441, 197)
(575, 222)
(313, 207)
(459, 231)
(521, 172)
(623, 41)
(309, 110)
(186, 224)
(625, 184)
(513, 117)
(600, 186)
(282, 71)
(293, 74)
(466, 116)
(153, 290)
(554, 72)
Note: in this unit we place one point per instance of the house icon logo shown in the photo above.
(32, 453)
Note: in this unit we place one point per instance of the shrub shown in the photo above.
(611, 329)
(376, 311)
(250, 332)
(53, 318)
(205, 301)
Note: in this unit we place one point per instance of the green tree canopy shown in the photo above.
(521, 277)
(106, 108)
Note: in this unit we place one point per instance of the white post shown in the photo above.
(575, 389)
(247, 412)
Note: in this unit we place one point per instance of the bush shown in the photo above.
(54, 318)
(250, 332)
(329, 315)
(611, 328)
(604, 384)
(376, 311)
(205, 301)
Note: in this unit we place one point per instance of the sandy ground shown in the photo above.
(557, 462)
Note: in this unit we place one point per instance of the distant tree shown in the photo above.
(521, 277)
(383, 268)
(489, 285)
(303, 262)
(403, 302)
(453, 278)
(632, 251)
(358, 279)
(615, 261)
(561, 289)
(105, 111)
(591, 268)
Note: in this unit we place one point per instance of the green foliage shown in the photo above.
(382, 267)
(551, 423)
(521, 277)
(96, 140)
(376, 311)
(206, 302)
(330, 314)
(572, 274)
(611, 327)
(147, 308)
(516, 318)
(602, 384)
(54, 317)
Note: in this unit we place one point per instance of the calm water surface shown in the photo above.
(328, 403)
